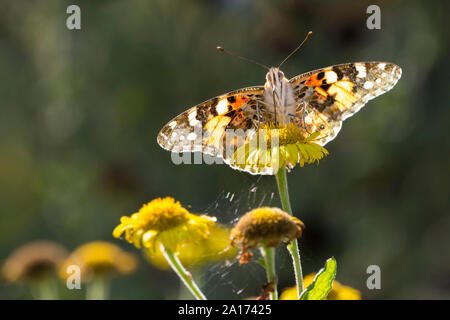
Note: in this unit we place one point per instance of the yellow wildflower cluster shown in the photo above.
(100, 258)
(163, 220)
(194, 239)
(276, 145)
(192, 254)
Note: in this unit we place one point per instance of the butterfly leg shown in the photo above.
(303, 123)
(257, 112)
(303, 115)
(274, 104)
(260, 114)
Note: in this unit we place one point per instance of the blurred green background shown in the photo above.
(80, 112)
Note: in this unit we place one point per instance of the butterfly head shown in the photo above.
(278, 95)
(274, 77)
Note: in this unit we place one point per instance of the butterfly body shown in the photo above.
(316, 101)
(279, 96)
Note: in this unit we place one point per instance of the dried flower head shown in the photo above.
(164, 221)
(100, 258)
(337, 292)
(264, 226)
(276, 145)
(33, 261)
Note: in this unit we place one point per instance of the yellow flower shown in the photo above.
(213, 248)
(164, 221)
(100, 258)
(277, 145)
(33, 261)
(265, 226)
(337, 292)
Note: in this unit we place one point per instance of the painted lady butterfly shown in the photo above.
(317, 101)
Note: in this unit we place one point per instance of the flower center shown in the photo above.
(267, 226)
(161, 214)
(282, 134)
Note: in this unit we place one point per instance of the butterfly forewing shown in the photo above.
(203, 127)
(330, 95)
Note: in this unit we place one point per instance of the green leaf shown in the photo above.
(318, 290)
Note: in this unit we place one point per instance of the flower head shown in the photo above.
(33, 261)
(276, 145)
(213, 248)
(100, 258)
(337, 292)
(264, 226)
(163, 221)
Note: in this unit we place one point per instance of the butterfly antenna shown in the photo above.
(242, 58)
(296, 49)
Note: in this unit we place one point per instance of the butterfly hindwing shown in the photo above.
(330, 95)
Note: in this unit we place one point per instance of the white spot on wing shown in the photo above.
(222, 106)
(361, 70)
(192, 115)
(193, 122)
(191, 136)
(368, 85)
(331, 76)
(192, 118)
(381, 66)
(172, 124)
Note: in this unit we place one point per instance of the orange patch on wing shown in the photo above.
(212, 124)
(323, 117)
(313, 81)
(342, 92)
(346, 85)
(216, 126)
(238, 102)
(238, 119)
(229, 103)
(320, 91)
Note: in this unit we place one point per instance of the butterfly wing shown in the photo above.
(203, 127)
(324, 99)
(330, 95)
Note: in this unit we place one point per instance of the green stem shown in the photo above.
(46, 288)
(269, 262)
(182, 273)
(97, 289)
(293, 246)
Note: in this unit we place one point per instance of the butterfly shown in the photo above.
(317, 101)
